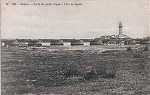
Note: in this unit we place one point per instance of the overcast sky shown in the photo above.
(92, 19)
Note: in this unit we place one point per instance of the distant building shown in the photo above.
(67, 42)
(96, 41)
(121, 35)
(22, 42)
(2, 44)
(34, 43)
(77, 42)
(145, 41)
(9, 43)
(120, 39)
(45, 42)
(86, 42)
(56, 42)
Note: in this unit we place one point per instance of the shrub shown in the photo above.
(109, 75)
(128, 48)
(90, 73)
(138, 54)
(146, 48)
(70, 70)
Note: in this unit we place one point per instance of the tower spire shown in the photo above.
(120, 28)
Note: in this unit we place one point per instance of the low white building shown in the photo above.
(3, 43)
(46, 44)
(67, 43)
(86, 43)
(23, 44)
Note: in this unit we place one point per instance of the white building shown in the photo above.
(86, 43)
(45, 44)
(67, 43)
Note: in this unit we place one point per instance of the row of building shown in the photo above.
(104, 40)
(45, 42)
(120, 39)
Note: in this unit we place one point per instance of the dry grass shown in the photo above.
(77, 72)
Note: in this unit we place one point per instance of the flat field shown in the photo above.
(75, 71)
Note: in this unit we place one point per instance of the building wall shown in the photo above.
(96, 42)
(3, 43)
(46, 44)
(76, 43)
(9, 43)
(86, 43)
(67, 43)
(23, 44)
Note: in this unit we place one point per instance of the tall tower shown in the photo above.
(120, 28)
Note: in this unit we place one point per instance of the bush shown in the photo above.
(128, 48)
(90, 73)
(71, 70)
(109, 75)
(104, 70)
(146, 48)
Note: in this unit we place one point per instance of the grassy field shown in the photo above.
(75, 72)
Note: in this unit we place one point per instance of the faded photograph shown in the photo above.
(75, 47)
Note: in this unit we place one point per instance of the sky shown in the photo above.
(94, 18)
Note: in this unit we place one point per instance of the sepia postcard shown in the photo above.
(75, 47)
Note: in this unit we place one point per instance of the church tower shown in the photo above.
(120, 28)
(121, 35)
